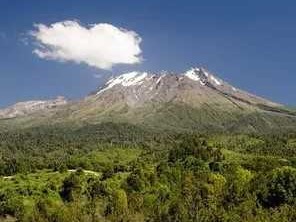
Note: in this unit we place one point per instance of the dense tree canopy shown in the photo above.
(84, 176)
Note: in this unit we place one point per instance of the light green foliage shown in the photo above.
(184, 177)
(216, 184)
(119, 203)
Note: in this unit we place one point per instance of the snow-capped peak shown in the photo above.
(126, 79)
(201, 75)
(216, 81)
(136, 78)
(193, 74)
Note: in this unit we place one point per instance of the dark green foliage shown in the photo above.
(60, 176)
(195, 147)
(72, 187)
(280, 187)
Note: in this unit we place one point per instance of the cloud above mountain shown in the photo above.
(98, 45)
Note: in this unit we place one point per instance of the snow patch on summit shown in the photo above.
(127, 79)
(159, 78)
(202, 76)
(216, 81)
(191, 74)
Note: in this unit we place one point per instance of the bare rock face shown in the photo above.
(31, 107)
(193, 100)
(195, 87)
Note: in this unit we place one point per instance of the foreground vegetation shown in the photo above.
(53, 175)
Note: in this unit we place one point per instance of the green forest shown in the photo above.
(122, 173)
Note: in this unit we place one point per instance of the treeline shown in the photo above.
(28, 150)
(61, 148)
(281, 145)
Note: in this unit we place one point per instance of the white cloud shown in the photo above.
(99, 45)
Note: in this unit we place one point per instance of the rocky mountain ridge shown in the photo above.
(30, 107)
(193, 100)
(198, 78)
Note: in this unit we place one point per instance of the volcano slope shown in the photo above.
(192, 101)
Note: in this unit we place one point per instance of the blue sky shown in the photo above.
(250, 44)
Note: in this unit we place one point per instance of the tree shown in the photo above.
(238, 184)
(119, 205)
(281, 186)
(72, 187)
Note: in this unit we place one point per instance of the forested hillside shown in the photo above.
(123, 173)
